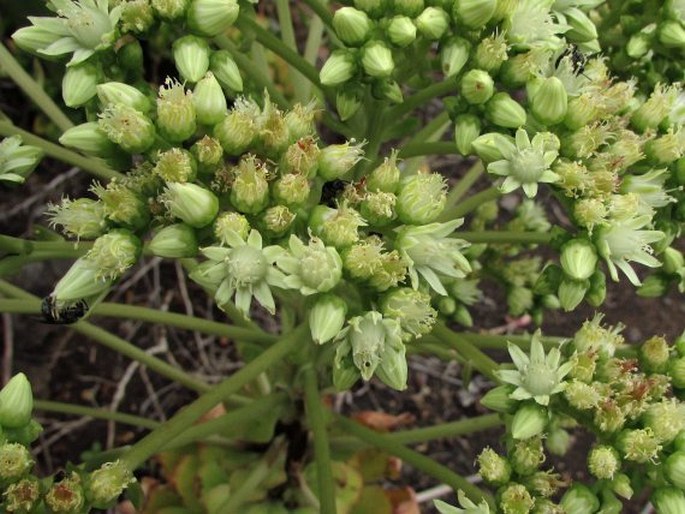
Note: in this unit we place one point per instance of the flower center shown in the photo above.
(247, 265)
(88, 26)
(527, 166)
(539, 379)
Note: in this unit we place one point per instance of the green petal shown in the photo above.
(518, 357)
(243, 299)
(262, 294)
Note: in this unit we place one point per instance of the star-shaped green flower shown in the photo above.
(538, 376)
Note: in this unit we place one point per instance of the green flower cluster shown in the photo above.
(631, 404)
(20, 490)
(17, 161)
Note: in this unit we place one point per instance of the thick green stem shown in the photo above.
(32, 89)
(478, 359)
(452, 429)
(462, 187)
(470, 204)
(93, 166)
(253, 71)
(82, 410)
(421, 97)
(322, 451)
(118, 344)
(321, 10)
(506, 237)
(285, 20)
(413, 458)
(156, 440)
(289, 55)
(428, 148)
(228, 422)
(116, 310)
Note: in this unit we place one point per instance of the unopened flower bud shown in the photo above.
(571, 293)
(292, 189)
(80, 218)
(377, 61)
(378, 208)
(208, 153)
(78, 84)
(653, 286)
(582, 28)
(106, 483)
(408, 7)
(621, 486)
(352, 26)
(113, 253)
(250, 190)
(226, 71)
(348, 100)
(327, 317)
(401, 31)
(336, 160)
(16, 402)
(498, 399)
(15, 462)
(191, 56)
(638, 445)
(494, 468)
(515, 499)
(530, 420)
(236, 132)
(338, 68)
(300, 123)
(412, 309)
(174, 242)
(386, 176)
(477, 86)
(492, 146)
(474, 13)
(655, 354)
(227, 223)
(88, 138)
(519, 300)
(668, 500)
(67, 495)
(676, 370)
(527, 455)
(579, 499)
(387, 90)
(672, 34)
(466, 130)
(137, 16)
(432, 23)
(170, 9)
(665, 419)
(453, 55)
(175, 112)
(22, 496)
(337, 227)
(82, 280)
(111, 93)
(667, 148)
(345, 373)
(209, 100)
(558, 441)
(191, 203)
(578, 259)
(549, 101)
(175, 165)
(421, 198)
(491, 53)
(277, 219)
(212, 17)
(127, 127)
(603, 462)
(504, 111)
(674, 469)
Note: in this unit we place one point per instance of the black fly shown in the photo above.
(54, 315)
(576, 58)
(331, 190)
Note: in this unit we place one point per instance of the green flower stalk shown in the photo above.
(113, 253)
(226, 71)
(453, 56)
(432, 23)
(190, 203)
(174, 242)
(401, 31)
(170, 10)
(412, 309)
(327, 317)
(15, 462)
(526, 165)
(67, 495)
(22, 496)
(17, 161)
(336, 160)
(623, 242)
(80, 218)
(127, 127)
(477, 87)
(468, 507)
(313, 268)
(352, 26)
(244, 269)
(78, 84)
(340, 67)
(377, 61)
(212, 17)
(538, 376)
(504, 111)
(209, 100)
(81, 29)
(191, 56)
(89, 139)
(430, 253)
(105, 484)
(421, 198)
(16, 402)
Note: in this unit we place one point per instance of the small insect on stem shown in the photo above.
(65, 315)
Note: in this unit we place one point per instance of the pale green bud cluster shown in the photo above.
(17, 160)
